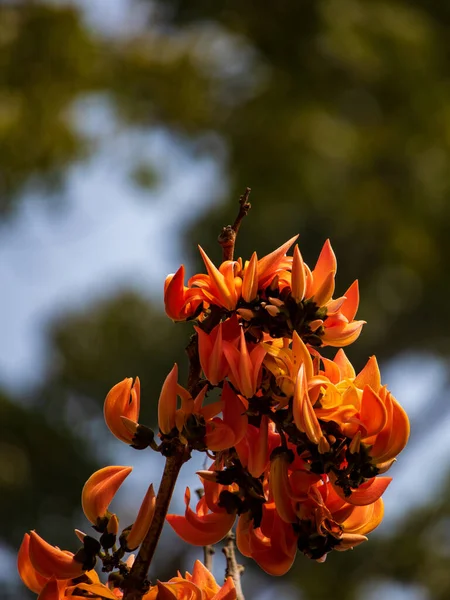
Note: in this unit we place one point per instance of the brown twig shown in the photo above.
(208, 555)
(227, 237)
(137, 583)
(233, 570)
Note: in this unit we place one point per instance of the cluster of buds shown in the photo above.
(302, 439)
(298, 442)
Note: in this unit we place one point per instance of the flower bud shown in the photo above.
(143, 520)
(123, 400)
(100, 489)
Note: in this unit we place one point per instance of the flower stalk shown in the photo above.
(137, 583)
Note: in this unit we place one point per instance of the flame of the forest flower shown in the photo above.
(210, 349)
(304, 415)
(364, 519)
(273, 545)
(225, 433)
(29, 575)
(123, 400)
(367, 493)
(201, 528)
(220, 285)
(50, 561)
(201, 585)
(269, 265)
(100, 489)
(180, 301)
(245, 365)
(143, 520)
(280, 486)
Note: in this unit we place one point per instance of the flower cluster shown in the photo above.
(301, 438)
(55, 574)
(299, 442)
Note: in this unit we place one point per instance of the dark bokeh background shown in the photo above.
(335, 112)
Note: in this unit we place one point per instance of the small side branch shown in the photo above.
(227, 238)
(233, 570)
(208, 555)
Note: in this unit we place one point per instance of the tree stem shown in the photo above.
(137, 583)
(233, 570)
(227, 237)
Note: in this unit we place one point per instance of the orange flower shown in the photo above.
(201, 585)
(273, 545)
(180, 302)
(245, 365)
(170, 417)
(225, 433)
(143, 521)
(123, 400)
(210, 348)
(202, 528)
(49, 561)
(363, 407)
(100, 489)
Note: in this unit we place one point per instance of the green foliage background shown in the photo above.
(335, 112)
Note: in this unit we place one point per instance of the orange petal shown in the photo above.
(50, 591)
(250, 280)
(345, 366)
(174, 295)
(325, 263)
(394, 437)
(31, 578)
(234, 413)
(267, 265)
(123, 400)
(365, 519)
(100, 489)
(50, 561)
(350, 306)
(96, 590)
(227, 591)
(143, 520)
(298, 276)
(167, 404)
(370, 375)
(367, 493)
(301, 355)
(281, 489)
(178, 590)
(201, 530)
(219, 285)
(258, 456)
(324, 293)
(343, 334)
(303, 412)
(373, 412)
(202, 577)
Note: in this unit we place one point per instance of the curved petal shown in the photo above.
(50, 561)
(100, 489)
(31, 578)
